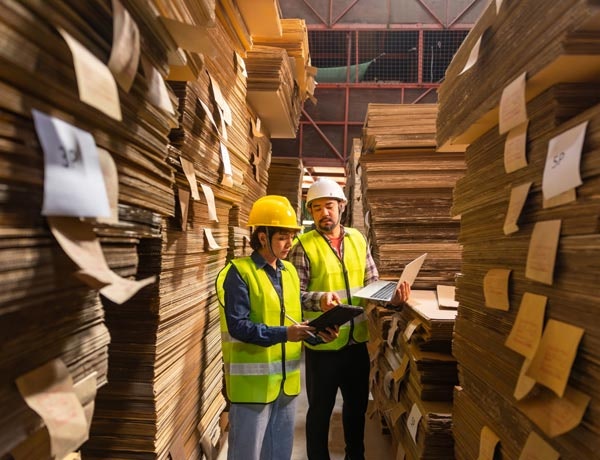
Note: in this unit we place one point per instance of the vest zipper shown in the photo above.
(281, 322)
(340, 257)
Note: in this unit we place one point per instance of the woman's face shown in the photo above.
(281, 243)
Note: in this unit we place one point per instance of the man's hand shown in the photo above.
(299, 332)
(329, 300)
(401, 295)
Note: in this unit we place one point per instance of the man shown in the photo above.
(333, 262)
(262, 334)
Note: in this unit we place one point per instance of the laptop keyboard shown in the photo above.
(385, 293)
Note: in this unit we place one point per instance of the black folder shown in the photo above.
(337, 316)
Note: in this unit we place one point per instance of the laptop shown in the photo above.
(383, 291)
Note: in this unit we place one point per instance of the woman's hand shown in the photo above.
(299, 332)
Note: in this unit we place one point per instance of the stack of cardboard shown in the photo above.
(54, 325)
(145, 264)
(405, 127)
(355, 215)
(294, 39)
(413, 374)
(272, 91)
(407, 193)
(190, 12)
(528, 366)
(179, 404)
(285, 178)
(262, 17)
(560, 46)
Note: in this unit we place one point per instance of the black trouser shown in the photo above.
(326, 371)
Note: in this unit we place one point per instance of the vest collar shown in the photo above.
(261, 262)
(342, 233)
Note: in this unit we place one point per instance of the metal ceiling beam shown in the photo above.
(343, 13)
(462, 13)
(431, 12)
(316, 13)
(425, 93)
(323, 136)
(377, 27)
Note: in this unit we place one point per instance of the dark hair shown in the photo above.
(255, 241)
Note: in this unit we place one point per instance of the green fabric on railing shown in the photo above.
(338, 74)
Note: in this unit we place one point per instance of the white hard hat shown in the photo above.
(325, 188)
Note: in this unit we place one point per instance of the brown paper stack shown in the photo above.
(559, 46)
(261, 16)
(294, 39)
(164, 391)
(392, 127)
(272, 91)
(48, 314)
(481, 332)
(191, 12)
(407, 193)
(355, 215)
(186, 402)
(165, 370)
(525, 340)
(285, 178)
(231, 18)
(413, 370)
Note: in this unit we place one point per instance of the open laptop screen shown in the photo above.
(384, 290)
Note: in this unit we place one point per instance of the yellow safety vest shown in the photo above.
(253, 373)
(327, 275)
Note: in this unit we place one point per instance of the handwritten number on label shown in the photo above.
(70, 156)
(556, 160)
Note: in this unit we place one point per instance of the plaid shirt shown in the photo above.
(311, 299)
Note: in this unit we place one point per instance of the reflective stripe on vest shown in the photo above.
(262, 368)
(327, 275)
(253, 373)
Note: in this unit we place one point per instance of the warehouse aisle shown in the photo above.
(378, 445)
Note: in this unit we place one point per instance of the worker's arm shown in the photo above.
(237, 314)
(311, 300)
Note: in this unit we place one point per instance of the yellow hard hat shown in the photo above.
(273, 211)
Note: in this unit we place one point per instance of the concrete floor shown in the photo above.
(378, 446)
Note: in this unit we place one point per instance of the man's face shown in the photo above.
(325, 213)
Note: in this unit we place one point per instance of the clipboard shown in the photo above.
(337, 316)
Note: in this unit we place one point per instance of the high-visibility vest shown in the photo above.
(254, 373)
(327, 275)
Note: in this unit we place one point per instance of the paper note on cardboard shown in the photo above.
(495, 288)
(526, 332)
(543, 247)
(73, 180)
(95, 82)
(561, 172)
(554, 357)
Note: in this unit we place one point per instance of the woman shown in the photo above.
(262, 333)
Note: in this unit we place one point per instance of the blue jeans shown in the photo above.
(262, 431)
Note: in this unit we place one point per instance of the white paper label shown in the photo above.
(73, 181)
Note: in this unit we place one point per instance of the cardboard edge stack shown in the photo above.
(407, 196)
(133, 347)
(526, 334)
